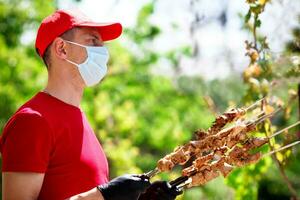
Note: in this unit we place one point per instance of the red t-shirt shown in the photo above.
(49, 136)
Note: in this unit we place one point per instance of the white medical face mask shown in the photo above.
(94, 68)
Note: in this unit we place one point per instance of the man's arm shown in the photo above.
(27, 186)
(93, 194)
(19, 185)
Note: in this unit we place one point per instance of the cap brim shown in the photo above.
(108, 31)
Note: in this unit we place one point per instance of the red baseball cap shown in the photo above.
(62, 20)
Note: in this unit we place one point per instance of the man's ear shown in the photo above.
(59, 48)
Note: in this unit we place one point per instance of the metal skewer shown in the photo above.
(183, 186)
(264, 117)
(254, 104)
(281, 148)
(282, 130)
(180, 180)
(152, 173)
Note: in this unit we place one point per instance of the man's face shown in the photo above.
(85, 36)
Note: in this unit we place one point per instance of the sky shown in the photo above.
(222, 49)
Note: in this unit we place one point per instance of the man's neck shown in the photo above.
(65, 91)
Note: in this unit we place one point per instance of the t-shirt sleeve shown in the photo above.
(26, 144)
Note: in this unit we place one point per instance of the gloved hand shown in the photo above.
(160, 190)
(127, 187)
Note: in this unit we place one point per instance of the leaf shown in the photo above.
(279, 156)
(248, 16)
(257, 23)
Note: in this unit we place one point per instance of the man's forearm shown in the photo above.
(93, 194)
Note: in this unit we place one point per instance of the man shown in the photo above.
(48, 148)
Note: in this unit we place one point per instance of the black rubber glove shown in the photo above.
(160, 190)
(127, 187)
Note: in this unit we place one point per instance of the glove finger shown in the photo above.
(153, 195)
(140, 178)
(163, 195)
(160, 190)
(135, 177)
(171, 191)
(140, 184)
(143, 177)
(143, 186)
(175, 191)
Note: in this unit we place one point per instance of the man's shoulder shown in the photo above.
(27, 121)
(32, 106)
(44, 109)
(28, 115)
(29, 108)
(40, 105)
(29, 111)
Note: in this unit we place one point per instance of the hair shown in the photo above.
(68, 35)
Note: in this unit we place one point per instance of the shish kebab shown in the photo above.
(207, 167)
(228, 136)
(227, 117)
(219, 123)
(183, 153)
(204, 172)
(216, 151)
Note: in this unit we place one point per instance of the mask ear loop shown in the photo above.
(77, 45)
(72, 62)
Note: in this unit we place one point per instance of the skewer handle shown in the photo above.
(184, 186)
(182, 179)
(179, 181)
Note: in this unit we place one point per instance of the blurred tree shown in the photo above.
(22, 73)
(132, 108)
(138, 115)
(268, 76)
(138, 112)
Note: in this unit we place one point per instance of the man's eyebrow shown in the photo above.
(94, 35)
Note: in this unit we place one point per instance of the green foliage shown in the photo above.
(22, 74)
(148, 111)
(261, 77)
(293, 45)
(137, 115)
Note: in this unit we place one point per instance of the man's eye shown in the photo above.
(91, 42)
(95, 41)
